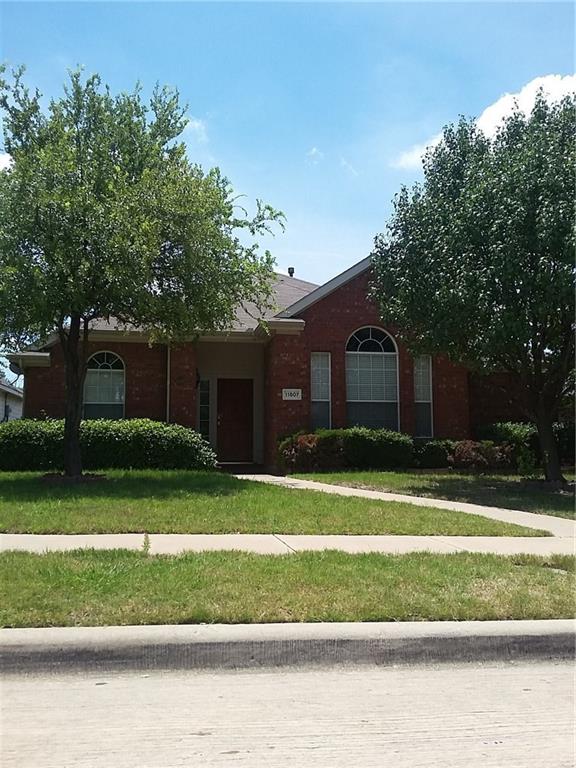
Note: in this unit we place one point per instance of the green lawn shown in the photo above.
(87, 588)
(508, 491)
(211, 502)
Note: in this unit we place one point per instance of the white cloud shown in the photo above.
(348, 167)
(554, 87)
(5, 161)
(315, 156)
(412, 158)
(196, 129)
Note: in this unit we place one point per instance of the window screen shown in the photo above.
(423, 395)
(320, 390)
(104, 387)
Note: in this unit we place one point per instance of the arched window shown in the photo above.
(372, 379)
(104, 387)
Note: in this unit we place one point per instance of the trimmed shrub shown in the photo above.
(433, 454)
(482, 456)
(356, 448)
(377, 449)
(29, 444)
(311, 452)
(124, 444)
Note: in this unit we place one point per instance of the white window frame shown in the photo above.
(329, 400)
(389, 354)
(88, 370)
(431, 400)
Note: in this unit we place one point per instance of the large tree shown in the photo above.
(478, 260)
(103, 215)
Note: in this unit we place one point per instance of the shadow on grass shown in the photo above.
(494, 491)
(120, 484)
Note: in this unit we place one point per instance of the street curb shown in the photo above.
(102, 649)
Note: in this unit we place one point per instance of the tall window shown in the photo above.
(204, 408)
(423, 395)
(372, 379)
(104, 387)
(320, 390)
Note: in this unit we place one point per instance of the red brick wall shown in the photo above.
(450, 406)
(494, 398)
(286, 365)
(183, 385)
(44, 388)
(329, 323)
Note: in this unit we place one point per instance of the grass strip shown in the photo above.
(507, 491)
(118, 587)
(212, 502)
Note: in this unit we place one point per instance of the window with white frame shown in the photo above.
(104, 387)
(372, 379)
(320, 415)
(423, 396)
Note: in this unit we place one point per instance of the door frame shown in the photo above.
(214, 415)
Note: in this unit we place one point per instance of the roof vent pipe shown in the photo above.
(291, 271)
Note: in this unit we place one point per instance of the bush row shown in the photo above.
(27, 444)
(510, 447)
(524, 437)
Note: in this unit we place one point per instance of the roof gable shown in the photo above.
(325, 290)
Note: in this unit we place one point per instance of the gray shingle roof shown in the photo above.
(286, 291)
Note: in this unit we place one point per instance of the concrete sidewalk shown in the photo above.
(557, 526)
(561, 542)
(216, 646)
(283, 544)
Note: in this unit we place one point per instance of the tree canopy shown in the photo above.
(478, 260)
(102, 214)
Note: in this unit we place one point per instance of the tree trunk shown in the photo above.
(74, 367)
(548, 447)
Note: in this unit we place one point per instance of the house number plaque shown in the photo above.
(291, 394)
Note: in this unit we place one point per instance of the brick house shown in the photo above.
(324, 359)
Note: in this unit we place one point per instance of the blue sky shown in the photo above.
(315, 108)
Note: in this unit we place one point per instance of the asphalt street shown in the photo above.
(507, 714)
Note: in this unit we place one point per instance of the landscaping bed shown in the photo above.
(155, 501)
(493, 490)
(94, 588)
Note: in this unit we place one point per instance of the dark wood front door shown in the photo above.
(235, 419)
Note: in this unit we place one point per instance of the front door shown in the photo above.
(235, 419)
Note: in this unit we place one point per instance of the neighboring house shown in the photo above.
(10, 402)
(323, 360)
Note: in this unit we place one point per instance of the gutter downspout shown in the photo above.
(168, 383)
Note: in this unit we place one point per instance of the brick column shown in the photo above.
(287, 366)
(183, 387)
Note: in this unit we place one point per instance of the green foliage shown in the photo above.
(377, 448)
(515, 433)
(524, 438)
(433, 454)
(103, 215)
(566, 439)
(492, 230)
(132, 443)
(336, 448)
(312, 452)
(29, 444)
(482, 456)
